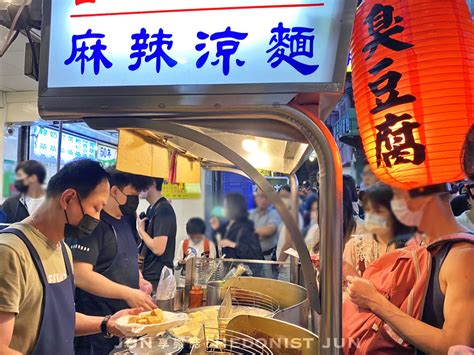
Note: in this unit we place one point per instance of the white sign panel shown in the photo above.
(122, 43)
(73, 147)
(45, 143)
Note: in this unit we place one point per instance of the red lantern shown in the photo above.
(413, 79)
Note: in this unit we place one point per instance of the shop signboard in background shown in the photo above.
(74, 147)
(44, 144)
(106, 155)
(188, 191)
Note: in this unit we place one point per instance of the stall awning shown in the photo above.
(155, 154)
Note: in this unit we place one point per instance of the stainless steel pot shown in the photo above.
(179, 300)
(293, 301)
(215, 293)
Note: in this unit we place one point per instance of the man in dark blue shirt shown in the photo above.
(106, 262)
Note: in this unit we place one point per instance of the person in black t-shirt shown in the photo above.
(106, 263)
(158, 232)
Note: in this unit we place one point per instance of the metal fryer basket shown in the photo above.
(248, 298)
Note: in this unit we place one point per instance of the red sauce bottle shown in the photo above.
(195, 297)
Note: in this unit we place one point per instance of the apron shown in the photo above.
(123, 270)
(56, 333)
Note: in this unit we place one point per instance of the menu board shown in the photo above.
(74, 147)
(45, 144)
(106, 155)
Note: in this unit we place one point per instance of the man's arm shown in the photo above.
(12, 282)
(267, 231)
(90, 281)
(157, 245)
(271, 228)
(7, 323)
(458, 328)
(88, 325)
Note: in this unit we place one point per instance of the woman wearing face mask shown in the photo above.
(384, 232)
(284, 240)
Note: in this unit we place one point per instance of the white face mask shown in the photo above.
(405, 215)
(375, 223)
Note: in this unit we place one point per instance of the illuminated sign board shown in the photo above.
(123, 43)
(45, 145)
(106, 155)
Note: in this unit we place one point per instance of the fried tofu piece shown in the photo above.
(158, 313)
(132, 319)
(144, 314)
(154, 320)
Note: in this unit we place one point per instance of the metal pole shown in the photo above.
(294, 269)
(330, 199)
(60, 144)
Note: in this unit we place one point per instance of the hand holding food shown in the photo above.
(111, 325)
(152, 322)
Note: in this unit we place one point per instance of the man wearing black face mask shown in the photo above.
(30, 177)
(37, 310)
(106, 262)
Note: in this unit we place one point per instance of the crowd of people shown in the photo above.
(118, 256)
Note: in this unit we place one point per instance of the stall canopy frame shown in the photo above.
(319, 137)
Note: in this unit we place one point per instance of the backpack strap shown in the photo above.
(207, 248)
(453, 239)
(185, 247)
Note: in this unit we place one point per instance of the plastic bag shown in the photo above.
(166, 289)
